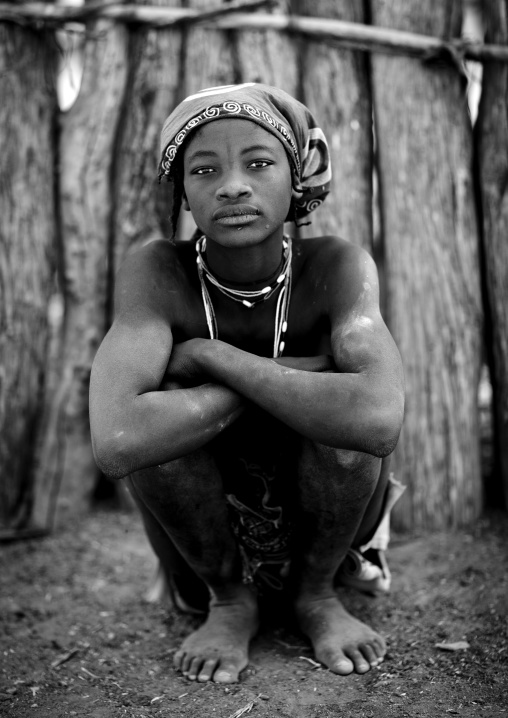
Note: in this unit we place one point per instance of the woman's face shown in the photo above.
(237, 182)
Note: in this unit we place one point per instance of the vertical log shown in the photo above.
(433, 291)
(141, 204)
(267, 56)
(27, 242)
(208, 61)
(492, 152)
(86, 156)
(335, 86)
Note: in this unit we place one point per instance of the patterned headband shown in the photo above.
(275, 111)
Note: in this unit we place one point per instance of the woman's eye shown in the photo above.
(202, 171)
(259, 164)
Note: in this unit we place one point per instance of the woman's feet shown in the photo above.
(218, 650)
(341, 642)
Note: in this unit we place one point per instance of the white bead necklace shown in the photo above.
(250, 299)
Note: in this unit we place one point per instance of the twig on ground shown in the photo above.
(244, 710)
(289, 645)
(89, 673)
(64, 658)
(457, 646)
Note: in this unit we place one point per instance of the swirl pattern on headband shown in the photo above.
(225, 109)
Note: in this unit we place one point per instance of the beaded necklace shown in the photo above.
(250, 299)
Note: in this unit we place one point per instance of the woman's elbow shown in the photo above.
(113, 455)
(385, 429)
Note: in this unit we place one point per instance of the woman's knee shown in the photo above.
(321, 459)
(190, 471)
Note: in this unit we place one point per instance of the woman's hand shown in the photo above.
(187, 363)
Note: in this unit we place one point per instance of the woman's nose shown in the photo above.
(233, 187)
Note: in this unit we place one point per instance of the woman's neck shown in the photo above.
(245, 267)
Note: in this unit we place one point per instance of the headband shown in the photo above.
(275, 111)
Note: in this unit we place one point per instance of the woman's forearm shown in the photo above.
(159, 426)
(343, 410)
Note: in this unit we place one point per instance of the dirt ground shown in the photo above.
(77, 637)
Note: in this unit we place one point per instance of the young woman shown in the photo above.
(250, 390)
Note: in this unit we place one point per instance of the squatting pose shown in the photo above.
(249, 391)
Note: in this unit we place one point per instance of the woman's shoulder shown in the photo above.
(161, 255)
(330, 251)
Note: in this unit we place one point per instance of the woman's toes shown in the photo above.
(227, 673)
(194, 669)
(342, 666)
(177, 660)
(360, 664)
(207, 670)
(370, 654)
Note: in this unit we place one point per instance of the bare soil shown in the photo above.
(77, 637)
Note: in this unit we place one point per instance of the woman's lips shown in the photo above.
(236, 214)
(234, 219)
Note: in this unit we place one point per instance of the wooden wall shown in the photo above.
(94, 197)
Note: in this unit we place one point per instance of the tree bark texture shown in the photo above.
(492, 151)
(141, 205)
(27, 253)
(87, 148)
(335, 86)
(269, 57)
(109, 202)
(208, 55)
(433, 288)
(207, 61)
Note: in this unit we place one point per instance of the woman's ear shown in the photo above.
(185, 203)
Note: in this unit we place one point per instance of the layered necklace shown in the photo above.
(280, 283)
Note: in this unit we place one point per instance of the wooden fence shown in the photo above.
(78, 191)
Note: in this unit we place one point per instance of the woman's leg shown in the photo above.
(338, 493)
(175, 579)
(185, 499)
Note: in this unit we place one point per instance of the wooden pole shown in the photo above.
(27, 257)
(216, 65)
(208, 60)
(141, 205)
(430, 234)
(87, 147)
(265, 55)
(141, 13)
(491, 141)
(352, 35)
(335, 86)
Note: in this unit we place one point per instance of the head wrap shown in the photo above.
(275, 111)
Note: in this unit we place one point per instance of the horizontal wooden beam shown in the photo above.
(154, 15)
(351, 35)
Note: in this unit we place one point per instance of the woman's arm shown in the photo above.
(133, 423)
(359, 407)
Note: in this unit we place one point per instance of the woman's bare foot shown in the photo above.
(218, 650)
(342, 643)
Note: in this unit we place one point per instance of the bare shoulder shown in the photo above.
(345, 281)
(335, 251)
(339, 270)
(138, 344)
(148, 278)
(154, 259)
